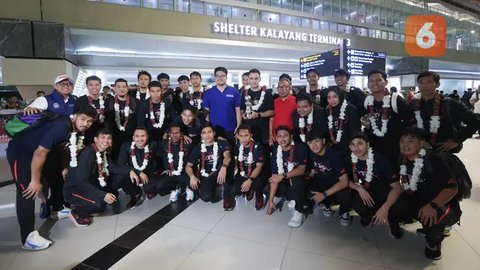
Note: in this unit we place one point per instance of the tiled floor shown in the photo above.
(203, 236)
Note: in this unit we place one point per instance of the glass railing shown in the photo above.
(325, 15)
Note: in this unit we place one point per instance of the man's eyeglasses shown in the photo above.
(65, 84)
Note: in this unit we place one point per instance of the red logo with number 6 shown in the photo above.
(425, 35)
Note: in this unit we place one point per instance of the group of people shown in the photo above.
(376, 154)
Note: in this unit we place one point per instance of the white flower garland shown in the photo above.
(240, 157)
(101, 160)
(417, 170)
(338, 138)
(101, 102)
(260, 101)
(178, 171)
(134, 158)
(74, 145)
(307, 88)
(434, 122)
(301, 124)
(147, 95)
(203, 149)
(279, 161)
(126, 112)
(198, 100)
(161, 117)
(370, 162)
(373, 123)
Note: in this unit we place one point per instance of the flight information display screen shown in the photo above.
(360, 62)
(325, 63)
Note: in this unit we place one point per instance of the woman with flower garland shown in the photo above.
(213, 159)
(191, 127)
(306, 117)
(375, 187)
(387, 115)
(88, 187)
(288, 166)
(447, 123)
(156, 113)
(121, 115)
(140, 156)
(249, 160)
(174, 155)
(329, 176)
(342, 120)
(430, 188)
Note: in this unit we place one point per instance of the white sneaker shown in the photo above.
(297, 220)
(36, 242)
(174, 195)
(291, 204)
(57, 215)
(327, 212)
(190, 194)
(345, 220)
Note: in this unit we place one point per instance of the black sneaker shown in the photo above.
(135, 201)
(259, 204)
(433, 252)
(421, 232)
(228, 205)
(365, 221)
(395, 230)
(249, 194)
(80, 221)
(150, 195)
(446, 233)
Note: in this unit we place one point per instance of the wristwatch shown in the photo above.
(224, 165)
(284, 175)
(434, 205)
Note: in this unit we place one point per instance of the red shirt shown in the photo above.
(283, 112)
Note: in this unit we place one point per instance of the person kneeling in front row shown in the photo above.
(329, 177)
(88, 187)
(431, 189)
(375, 187)
(213, 160)
(249, 160)
(174, 154)
(288, 166)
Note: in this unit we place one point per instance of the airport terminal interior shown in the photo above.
(112, 39)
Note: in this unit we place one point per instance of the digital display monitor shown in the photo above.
(325, 63)
(360, 62)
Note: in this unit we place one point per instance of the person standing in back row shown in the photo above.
(222, 103)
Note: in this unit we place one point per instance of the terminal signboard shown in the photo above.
(360, 62)
(324, 63)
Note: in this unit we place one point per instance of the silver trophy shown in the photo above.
(248, 107)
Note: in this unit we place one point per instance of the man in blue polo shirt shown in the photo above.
(222, 102)
(27, 153)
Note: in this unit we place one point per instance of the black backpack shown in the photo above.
(458, 170)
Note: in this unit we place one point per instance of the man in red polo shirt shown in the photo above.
(283, 105)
